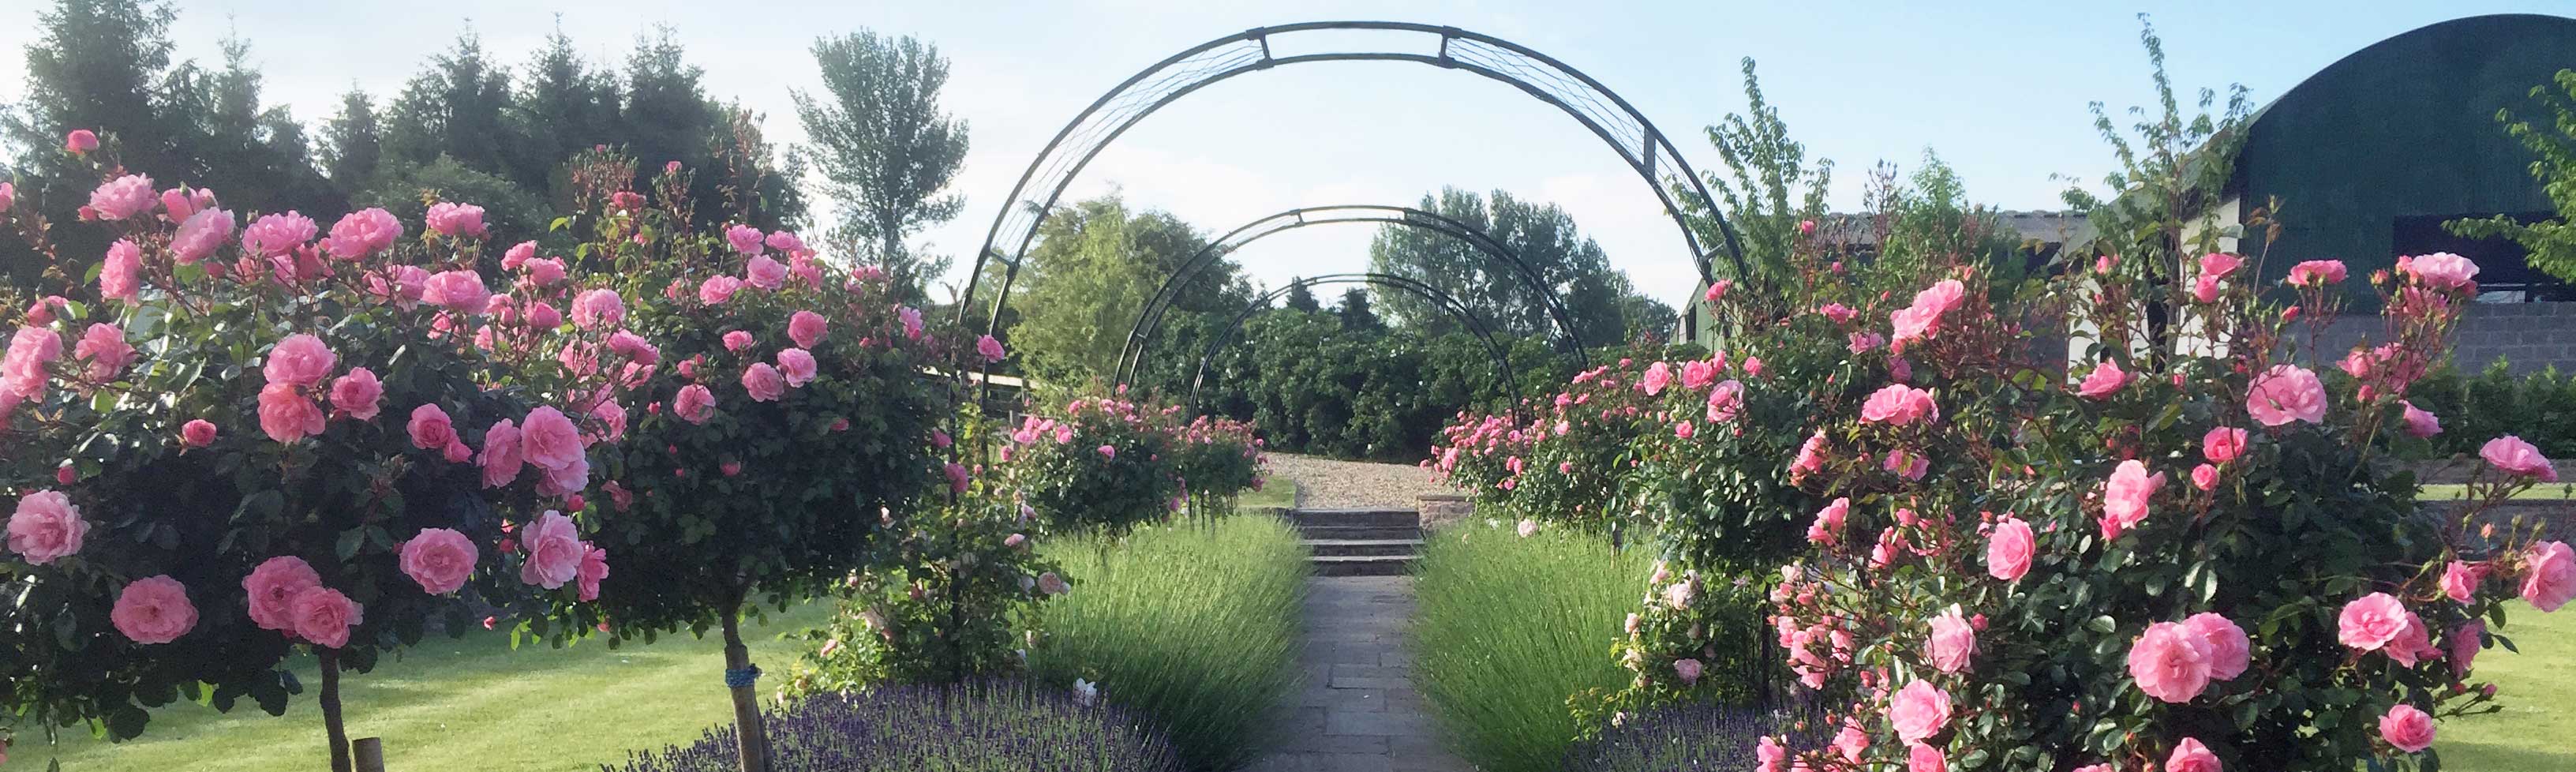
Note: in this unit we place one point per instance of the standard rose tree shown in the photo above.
(236, 446)
(786, 419)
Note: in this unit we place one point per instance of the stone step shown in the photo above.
(1359, 533)
(1363, 565)
(1379, 517)
(1362, 547)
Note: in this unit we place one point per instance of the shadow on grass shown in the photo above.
(2474, 755)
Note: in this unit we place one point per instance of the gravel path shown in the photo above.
(1323, 482)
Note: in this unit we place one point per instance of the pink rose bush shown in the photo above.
(283, 464)
(773, 465)
(2114, 620)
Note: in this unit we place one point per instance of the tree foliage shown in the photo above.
(2549, 245)
(883, 146)
(1561, 263)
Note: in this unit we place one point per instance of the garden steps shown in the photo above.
(1359, 541)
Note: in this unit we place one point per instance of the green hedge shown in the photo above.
(2540, 408)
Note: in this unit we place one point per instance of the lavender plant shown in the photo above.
(988, 726)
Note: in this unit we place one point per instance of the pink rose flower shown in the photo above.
(1919, 711)
(519, 255)
(911, 318)
(272, 588)
(2460, 580)
(120, 278)
(1925, 758)
(401, 285)
(597, 308)
(286, 415)
(324, 617)
(8, 198)
(122, 198)
(744, 238)
(1769, 756)
(594, 567)
(460, 291)
(358, 394)
(2316, 273)
(1658, 375)
(2170, 662)
(763, 382)
(718, 289)
(1953, 642)
(80, 141)
(543, 316)
(2465, 643)
(807, 327)
(1717, 289)
(2284, 394)
(1899, 404)
(300, 360)
(430, 428)
(1688, 670)
(439, 559)
(1851, 742)
(765, 272)
(2009, 550)
(2371, 622)
(2204, 477)
(2105, 381)
(200, 235)
(153, 610)
(2407, 728)
(2419, 423)
(1827, 529)
(2443, 270)
(1052, 584)
(2516, 457)
(548, 439)
(1923, 318)
(2125, 497)
(2223, 444)
(797, 365)
(1683, 430)
(362, 233)
(105, 347)
(455, 220)
(197, 433)
(545, 271)
(501, 457)
(555, 551)
(1108, 451)
(277, 234)
(1838, 312)
(785, 241)
(46, 527)
(2549, 575)
(2191, 756)
(22, 373)
(1698, 373)
(957, 477)
(1527, 528)
(737, 340)
(989, 348)
(2220, 263)
(1725, 401)
(694, 403)
(567, 480)
(2229, 650)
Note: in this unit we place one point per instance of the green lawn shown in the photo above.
(2561, 491)
(1275, 492)
(2535, 687)
(461, 704)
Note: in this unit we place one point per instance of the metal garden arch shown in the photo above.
(1617, 123)
(1476, 325)
(1140, 337)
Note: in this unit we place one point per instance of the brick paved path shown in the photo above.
(1358, 712)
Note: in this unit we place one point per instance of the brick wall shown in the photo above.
(2530, 336)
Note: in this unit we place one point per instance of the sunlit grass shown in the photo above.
(2538, 690)
(457, 704)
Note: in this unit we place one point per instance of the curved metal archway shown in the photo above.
(1475, 324)
(1140, 337)
(1617, 123)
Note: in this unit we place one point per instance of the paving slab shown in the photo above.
(1358, 711)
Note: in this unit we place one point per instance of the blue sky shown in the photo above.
(1997, 88)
